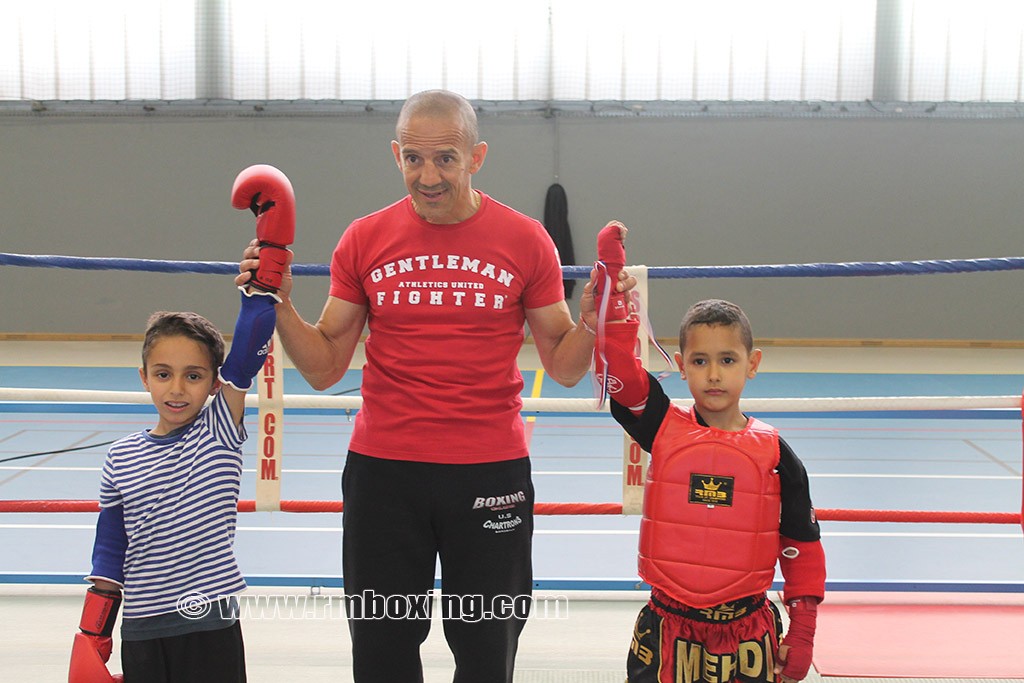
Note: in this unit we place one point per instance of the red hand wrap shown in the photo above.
(611, 251)
(268, 193)
(803, 619)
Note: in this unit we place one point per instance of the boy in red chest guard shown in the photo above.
(725, 499)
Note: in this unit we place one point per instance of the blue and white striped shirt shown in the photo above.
(180, 497)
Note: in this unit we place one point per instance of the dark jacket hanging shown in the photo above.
(556, 222)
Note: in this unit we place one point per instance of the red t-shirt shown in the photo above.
(446, 317)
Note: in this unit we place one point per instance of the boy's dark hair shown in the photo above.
(184, 324)
(716, 312)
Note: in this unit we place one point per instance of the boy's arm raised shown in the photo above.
(253, 329)
(617, 363)
(268, 193)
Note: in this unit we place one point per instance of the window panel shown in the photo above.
(732, 50)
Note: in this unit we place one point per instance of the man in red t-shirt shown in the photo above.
(437, 466)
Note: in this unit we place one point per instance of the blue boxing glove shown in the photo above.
(253, 329)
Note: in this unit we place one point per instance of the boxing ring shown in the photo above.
(918, 493)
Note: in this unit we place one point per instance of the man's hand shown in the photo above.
(250, 262)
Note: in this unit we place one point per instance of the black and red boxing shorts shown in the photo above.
(675, 643)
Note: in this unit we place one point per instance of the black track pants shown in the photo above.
(399, 518)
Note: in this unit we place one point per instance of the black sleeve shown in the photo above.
(644, 428)
(798, 520)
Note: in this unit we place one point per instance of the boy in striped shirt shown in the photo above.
(168, 508)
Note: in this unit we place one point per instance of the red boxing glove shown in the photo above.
(91, 648)
(268, 193)
(799, 639)
(611, 251)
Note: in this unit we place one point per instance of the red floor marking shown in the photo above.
(917, 641)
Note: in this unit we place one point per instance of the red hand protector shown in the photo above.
(268, 193)
(803, 619)
(628, 382)
(803, 568)
(611, 251)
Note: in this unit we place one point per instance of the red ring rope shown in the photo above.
(828, 515)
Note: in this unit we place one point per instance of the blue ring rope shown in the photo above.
(853, 269)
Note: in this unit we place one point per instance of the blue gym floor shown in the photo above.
(949, 461)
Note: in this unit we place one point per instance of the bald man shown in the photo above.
(438, 464)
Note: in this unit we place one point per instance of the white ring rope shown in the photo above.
(560, 405)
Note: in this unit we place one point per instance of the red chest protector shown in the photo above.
(710, 527)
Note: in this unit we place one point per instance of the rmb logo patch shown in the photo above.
(710, 489)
